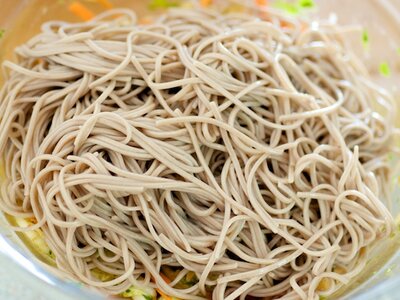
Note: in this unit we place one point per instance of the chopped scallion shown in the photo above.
(365, 38)
(306, 3)
(290, 8)
(162, 4)
(384, 69)
(294, 8)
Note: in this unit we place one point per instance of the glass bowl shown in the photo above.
(379, 22)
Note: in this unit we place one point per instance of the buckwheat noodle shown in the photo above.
(249, 151)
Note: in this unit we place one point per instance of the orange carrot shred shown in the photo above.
(285, 24)
(32, 220)
(262, 2)
(167, 280)
(81, 11)
(205, 3)
(165, 297)
(145, 21)
(107, 4)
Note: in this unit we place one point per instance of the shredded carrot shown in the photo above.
(81, 11)
(167, 280)
(107, 4)
(205, 3)
(145, 21)
(288, 25)
(165, 297)
(262, 2)
(32, 220)
(285, 24)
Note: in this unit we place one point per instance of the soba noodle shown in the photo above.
(248, 151)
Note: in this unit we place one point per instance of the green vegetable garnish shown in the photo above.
(162, 4)
(294, 8)
(290, 8)
(384, 69)
(306, 3)
(365, 38)
(136, 293)
(2, 31)
(398, 50)
(322, 297)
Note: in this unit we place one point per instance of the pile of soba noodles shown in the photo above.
(248, 152)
